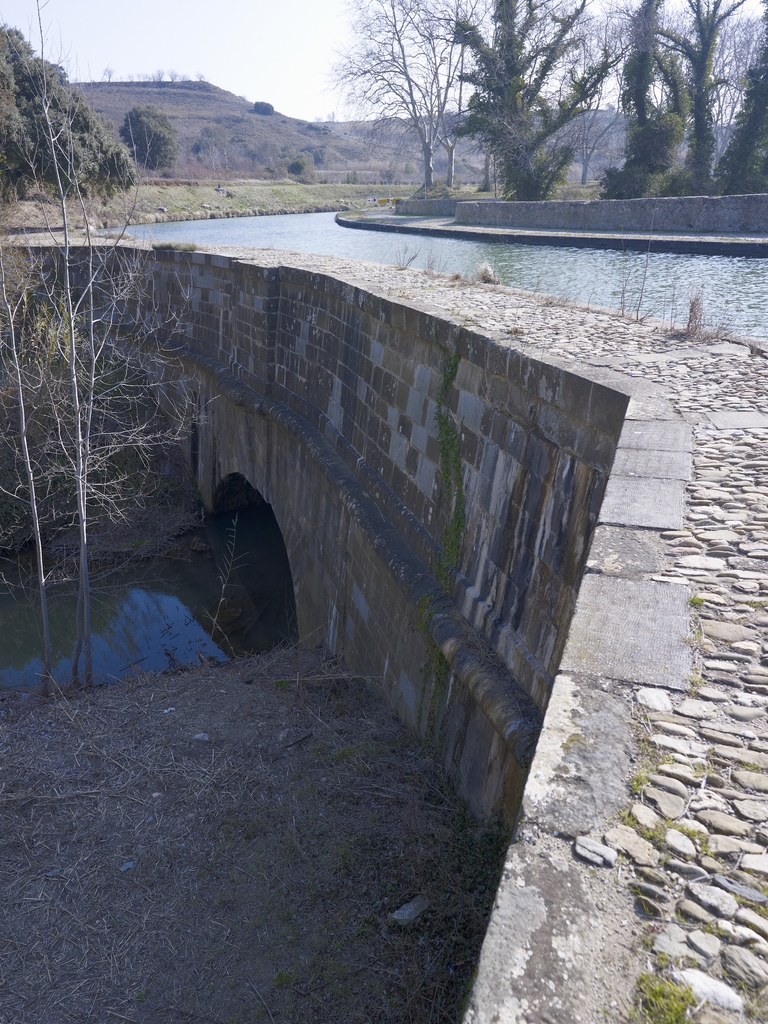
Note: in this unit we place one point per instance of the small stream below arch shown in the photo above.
(159, 615)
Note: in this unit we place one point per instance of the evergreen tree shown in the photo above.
(30, 88)
(511, 112)
(744, 167)
(697, 48)
(150, 136)
(654, 130)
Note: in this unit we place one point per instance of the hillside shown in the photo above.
(221, 136)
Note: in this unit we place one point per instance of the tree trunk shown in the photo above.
(487, 172)
(584, 170)
(47, 681)
(428, 171)
(450, 149)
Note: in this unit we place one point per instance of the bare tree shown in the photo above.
(600, 126)
(737, 50)
(68, 370)
(404, 66)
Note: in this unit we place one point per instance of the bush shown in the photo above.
(150, 136)
(263, 108)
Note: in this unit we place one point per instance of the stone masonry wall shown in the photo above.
(536, 442)
(698, 214)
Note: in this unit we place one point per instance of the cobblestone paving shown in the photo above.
(695, 834)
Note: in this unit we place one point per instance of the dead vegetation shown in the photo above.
(225, 845)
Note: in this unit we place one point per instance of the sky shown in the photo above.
(279, 52)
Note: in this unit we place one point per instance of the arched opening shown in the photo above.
(256, 608)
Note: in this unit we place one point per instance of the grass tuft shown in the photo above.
(663, 1002)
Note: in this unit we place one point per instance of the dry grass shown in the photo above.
(148, 875)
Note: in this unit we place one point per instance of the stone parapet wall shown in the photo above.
(697, 214)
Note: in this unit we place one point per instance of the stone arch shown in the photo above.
(236, 494)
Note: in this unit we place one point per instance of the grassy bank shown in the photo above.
(157, 202)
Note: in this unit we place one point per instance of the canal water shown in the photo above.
(734, 289)
(226, 590)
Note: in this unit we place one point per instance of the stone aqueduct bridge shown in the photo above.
(437, 490)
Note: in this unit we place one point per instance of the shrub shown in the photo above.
(263, 108)
(150, 136)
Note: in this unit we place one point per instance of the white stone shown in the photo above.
(606, 854)
(653, 699)
(757, 862)
(716, 900)
(704, 943)
(704, 987)
(406, 915)
(680, 844)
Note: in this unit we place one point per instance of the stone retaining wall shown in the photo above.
(697, 214)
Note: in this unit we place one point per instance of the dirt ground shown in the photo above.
(226, 844)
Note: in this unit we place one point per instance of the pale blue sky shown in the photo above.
(261, 49)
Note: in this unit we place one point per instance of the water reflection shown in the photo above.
(160, 616)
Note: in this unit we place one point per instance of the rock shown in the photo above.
(714, 991)
(410, 912)
(746, 892)
(681, 772)
(645, 816)
(127, 865)
(710, 693)
(673, 728)
(753, 810)
(653, 891)
(752, 780)
(697, 709)
(745, 967)
(693, 911)
(673, 941)
(727, 632)
(649, 906)
(624, 838)
(594, 852)
(671, 806)
(727, 824)
(757, 862)
(704, 943)
(750, 757)
(756, 922)
(653, 699)
(680, 844)
(670, 784)
(720, 737)
(686, 870)
(202, 736)
(693, 825)
(680, 746)
(716, 900)
(744, 714)
(721, 846)
(701, 562)
(710, 864)
(652, 875)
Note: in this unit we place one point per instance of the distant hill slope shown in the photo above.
(219, 133)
